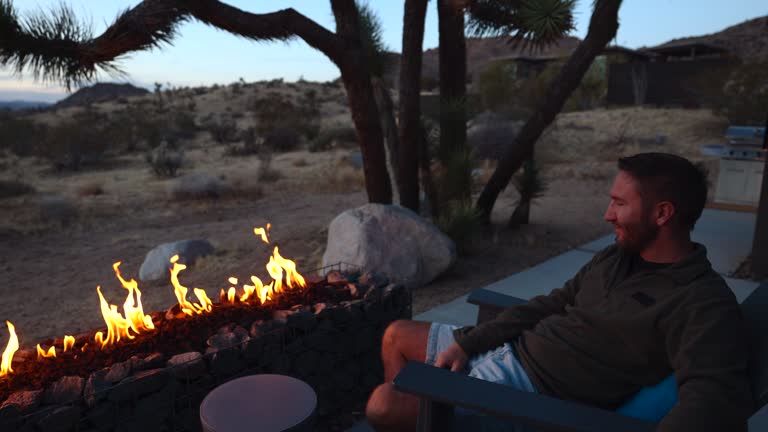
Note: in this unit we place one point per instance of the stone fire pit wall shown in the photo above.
(334, 348)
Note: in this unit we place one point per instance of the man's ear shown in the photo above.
(664, 212)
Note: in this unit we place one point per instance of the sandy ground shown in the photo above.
(49, 273)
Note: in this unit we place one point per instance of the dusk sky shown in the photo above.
(202, 55)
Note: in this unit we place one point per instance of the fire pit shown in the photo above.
(151, 371)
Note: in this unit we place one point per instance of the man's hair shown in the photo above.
(667, 177)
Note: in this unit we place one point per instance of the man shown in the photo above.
(645, 307)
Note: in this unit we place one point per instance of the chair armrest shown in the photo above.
(759, 420)
(443, 387)
(491, 303)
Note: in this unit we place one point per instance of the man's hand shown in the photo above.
(453, 357)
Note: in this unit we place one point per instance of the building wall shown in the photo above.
(677, 83)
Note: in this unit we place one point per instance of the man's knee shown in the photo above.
(395, 332)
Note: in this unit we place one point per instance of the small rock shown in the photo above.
(10, 417)
(96, 387)
(118, 372)
(335, 277)
(222, 341)
(153, 361)
(62, 419)
(25, 401)
(188, 365)
(139, 384)
(373, 279)
(66, 389)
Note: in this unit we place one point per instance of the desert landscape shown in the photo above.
(60, 238)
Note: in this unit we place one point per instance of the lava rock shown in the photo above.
(157, 263)
(61, 419)
(139, 384)
(188, 365)
(25, 401)
(102, 416)
(118, 372)
(96, 387)
(10, 417)
(66, 389)
(335, 277)
(303, 320)
(225, 362)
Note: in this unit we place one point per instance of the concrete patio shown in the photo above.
(727, 236)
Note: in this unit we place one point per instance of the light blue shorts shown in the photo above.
(499, 365)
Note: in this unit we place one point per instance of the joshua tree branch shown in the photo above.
(59, 49)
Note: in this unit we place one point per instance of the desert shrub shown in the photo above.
(275, 111)
(282, 139)
(745, 95)
(20, 135)
(73, 144)
(12, 188)
(222, 129)
(336, 137)
(165, 160)
(265, 172)
(251, 144)
(496, 85)
(460, 221)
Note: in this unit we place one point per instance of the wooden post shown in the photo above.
(760, 240)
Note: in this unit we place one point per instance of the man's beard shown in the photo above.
(636, 237)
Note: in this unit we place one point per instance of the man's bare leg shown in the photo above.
(388, 409)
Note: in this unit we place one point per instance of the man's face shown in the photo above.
(630, 216)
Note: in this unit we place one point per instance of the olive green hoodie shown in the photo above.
(604, 335)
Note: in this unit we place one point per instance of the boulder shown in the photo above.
(157, 263)
(488, 134)
(198, 186)
(391, 240)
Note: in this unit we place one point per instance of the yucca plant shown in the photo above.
(460, 221)
(530, 185)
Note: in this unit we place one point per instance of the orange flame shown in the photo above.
(134, 311)
(262, 233)
(43, 354)
(117, 326)
(69, 342)
(232, 290)
(10, 350)
(188, 308)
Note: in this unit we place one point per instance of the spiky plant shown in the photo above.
(530, 185)
(535, 23)
(460, 221)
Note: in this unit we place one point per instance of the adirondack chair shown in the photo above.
(440, 390)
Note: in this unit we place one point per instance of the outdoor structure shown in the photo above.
(672, 74)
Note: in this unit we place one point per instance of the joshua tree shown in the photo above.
(58, 48)
(602, 28)
(534, 21)
(412, 142)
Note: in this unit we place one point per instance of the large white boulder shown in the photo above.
(392, 240)
(157, 263)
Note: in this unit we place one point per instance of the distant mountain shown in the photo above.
(747, 41)
(16, 105)
(100, 92)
